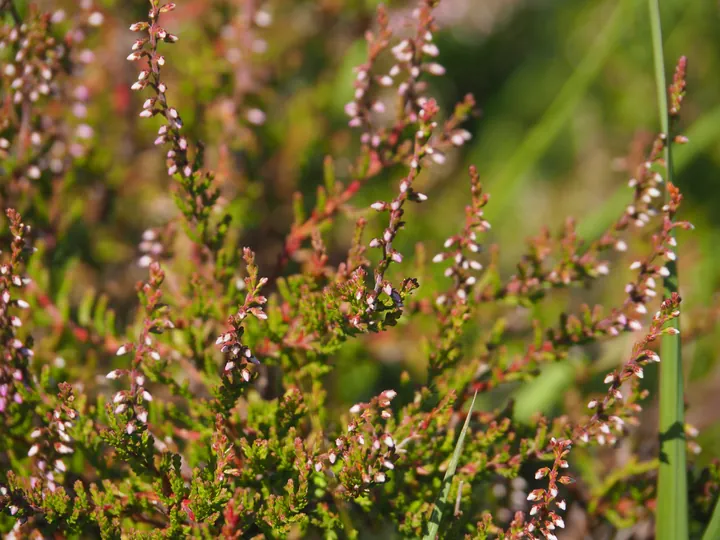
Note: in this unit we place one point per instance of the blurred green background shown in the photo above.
(567, 106)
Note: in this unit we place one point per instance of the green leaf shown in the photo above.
(329, 174)
(85, 307)
(441, 502)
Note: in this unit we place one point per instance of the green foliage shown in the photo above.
(288, 319)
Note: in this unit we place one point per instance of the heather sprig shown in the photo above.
(42, 66)
(132, 405)
(411, 136)
(16, 353)
(199, 197)
(451, 307)
(396, 206)
(365, 455)
(612, 411)
(532, 280)
(237, 370)
(39, 424)
(544, 517)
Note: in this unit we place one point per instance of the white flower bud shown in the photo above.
(385, 80)
(435, 69)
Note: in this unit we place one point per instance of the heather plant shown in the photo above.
(213, 406)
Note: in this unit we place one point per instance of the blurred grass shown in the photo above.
(442, 504)
(507, 183)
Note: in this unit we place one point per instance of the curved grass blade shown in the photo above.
(441, 503)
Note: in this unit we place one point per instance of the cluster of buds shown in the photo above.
(132, 404)
(412, 57)
(648, 188)
(451, 307)
(648, 180)
(463, 247)
(544, 517)
(37, 58)
(653, 268)
(52, 443)
(387, 146)
(241, 44)
(363, 104)
(396, 206)
(619, 405)
(16, 354)
(146, 49)
(415, 57)
(153, 246)
(200, 195)
(367, 452)
(239, 357)
(677, 91)
(39, 70)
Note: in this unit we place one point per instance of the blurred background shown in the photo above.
(567, 107)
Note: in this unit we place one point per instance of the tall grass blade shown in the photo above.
(672, 498)
(441, 503)
(713, 530)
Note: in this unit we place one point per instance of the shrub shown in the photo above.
(216, 411)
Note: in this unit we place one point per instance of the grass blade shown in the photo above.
(713, 530)
(672, 498)
(441, 503)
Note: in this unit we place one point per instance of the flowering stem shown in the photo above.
(672, 499)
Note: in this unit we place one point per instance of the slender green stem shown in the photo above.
(672, 498)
